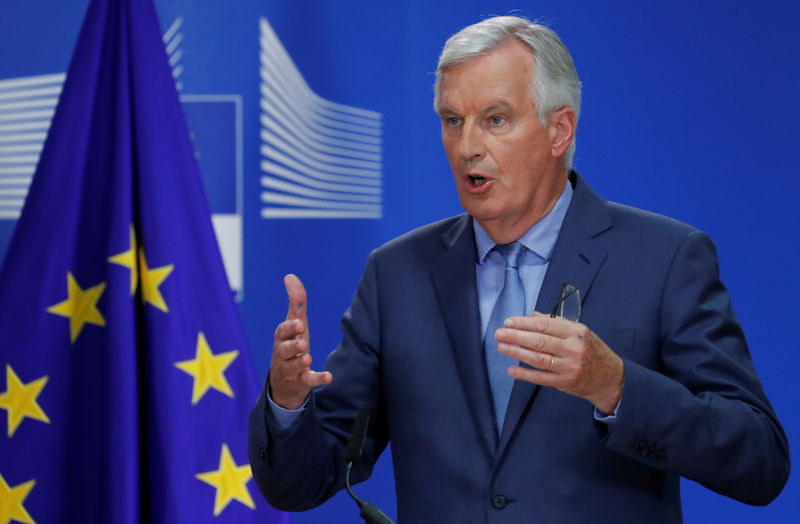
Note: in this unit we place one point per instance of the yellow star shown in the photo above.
(230, 481)
(11, 500)
(151, 279)
(80, 306)
(20, 400)
(208, 369)
(128, 259)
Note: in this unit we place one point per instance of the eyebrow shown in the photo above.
(443, 110)
(499, 105)
(495, 106)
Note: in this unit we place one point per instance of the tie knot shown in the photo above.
(511, 253)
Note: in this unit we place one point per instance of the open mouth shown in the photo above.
(477, 180)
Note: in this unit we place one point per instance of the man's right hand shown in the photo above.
(290, 375)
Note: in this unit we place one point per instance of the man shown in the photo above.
(590, 421)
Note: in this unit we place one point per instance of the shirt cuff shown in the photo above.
(284, 417)
(610, 419)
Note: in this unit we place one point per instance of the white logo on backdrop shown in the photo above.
(172, 41)
(320, 159)
(27, 105)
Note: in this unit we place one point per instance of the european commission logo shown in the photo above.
(27, 105)
(315, 158)
(319, 159)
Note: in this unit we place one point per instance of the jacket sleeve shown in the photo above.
(301, 466)
(703, 414)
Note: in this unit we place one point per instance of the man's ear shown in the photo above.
(562, 130)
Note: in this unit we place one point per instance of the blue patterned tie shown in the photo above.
(511, 302)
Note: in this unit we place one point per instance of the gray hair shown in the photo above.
(555, 80)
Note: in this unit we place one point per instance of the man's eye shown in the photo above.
(453, 121)
(497, 120)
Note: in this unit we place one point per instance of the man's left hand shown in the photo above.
(566, 355)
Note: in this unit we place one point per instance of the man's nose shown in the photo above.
(471, 142)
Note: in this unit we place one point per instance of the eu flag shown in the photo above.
(127, 379)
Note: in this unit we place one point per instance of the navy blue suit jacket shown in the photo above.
(692, 403)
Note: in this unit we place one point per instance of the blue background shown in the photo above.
(690, 109)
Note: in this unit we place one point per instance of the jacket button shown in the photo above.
(644, 449)
(261, 452)
(499, 501)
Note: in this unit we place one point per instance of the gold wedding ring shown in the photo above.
(552, 363)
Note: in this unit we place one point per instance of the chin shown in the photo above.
(483, 216)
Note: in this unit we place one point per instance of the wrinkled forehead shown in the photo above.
(505, 70)
(446, 59)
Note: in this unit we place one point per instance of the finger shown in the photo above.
(314, 378)
(536, 376)
(537, 359)
(289, 329)
(553, 326)
(529, 340)
(289, 349)
(297, 364)
(297, 298)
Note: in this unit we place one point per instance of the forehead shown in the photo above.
(504, 73)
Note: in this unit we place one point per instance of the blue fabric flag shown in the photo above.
(126, 381)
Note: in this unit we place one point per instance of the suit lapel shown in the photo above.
(453, 276)
(576, 259)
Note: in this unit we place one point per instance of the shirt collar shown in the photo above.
(539, 239)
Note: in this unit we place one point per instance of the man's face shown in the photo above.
(507, 172)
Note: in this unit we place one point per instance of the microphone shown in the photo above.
(355, 446)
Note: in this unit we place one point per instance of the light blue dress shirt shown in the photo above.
(539, 242)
